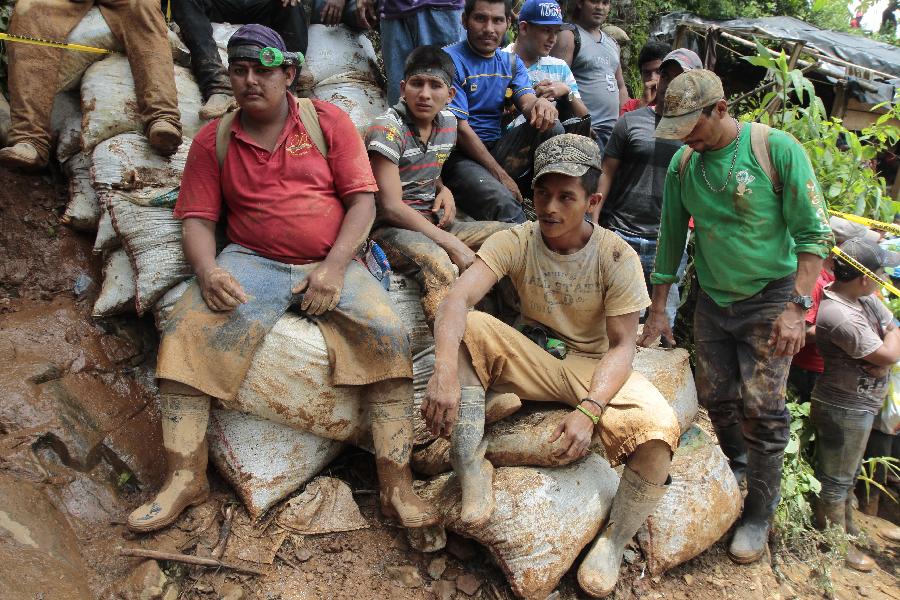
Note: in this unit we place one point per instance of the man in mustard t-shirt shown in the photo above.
(583, 285)
(760, 236)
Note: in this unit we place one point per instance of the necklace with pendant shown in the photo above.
(737, 142)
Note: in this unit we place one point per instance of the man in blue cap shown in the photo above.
(551, 78)
(299, 193)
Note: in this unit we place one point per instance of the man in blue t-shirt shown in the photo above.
(483, 171)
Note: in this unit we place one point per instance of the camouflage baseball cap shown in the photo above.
(686, 96)
(567, 154)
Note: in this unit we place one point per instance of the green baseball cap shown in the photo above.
(686, 96)
(568, 154)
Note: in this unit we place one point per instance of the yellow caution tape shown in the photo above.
(889, 227)
(169, 11)
(52, 44)
(859, 267)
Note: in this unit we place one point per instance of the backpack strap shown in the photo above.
(683, 162)
(223, 136)
(310, 120)
(308, 116)
(759, 143)
(576, 35)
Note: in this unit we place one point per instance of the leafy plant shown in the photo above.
(890, 465)
(843, 160)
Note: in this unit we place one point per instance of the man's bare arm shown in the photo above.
(623, 89)
(539, 112)
(789, 329)
(564, 47)
(220, 290)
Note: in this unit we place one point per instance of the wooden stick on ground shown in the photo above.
(188, 559)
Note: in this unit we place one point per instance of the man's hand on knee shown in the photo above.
(576, 431)
(220, 290)
(321, 290)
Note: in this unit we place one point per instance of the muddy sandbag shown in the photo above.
(670, 371)
(92, 30)
(544, 517)
(107, 239)
(83, 209)
(39, 550)
(152, 238)
(222, 32)
(65, 125)
(264, 461)
(109, 104)
(4, 119)
(701, 505)
(406, 298)
(337, 52)
(127, 162)
(362, 101)
(117, 293)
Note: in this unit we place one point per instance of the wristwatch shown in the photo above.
(805, 302)
(571, 97)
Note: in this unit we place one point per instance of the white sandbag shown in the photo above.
(127, 162)
(4, 119)
(264, 461)
(109, 104)
(83, 209)
(222, 32)
(544, 517)
(362, 101)
(701, 505)
(163, 307)
(670, 371)
(152, 238)
(107, 238)
(93, 30)
(65, 125)
(337, 51)
(117, 294)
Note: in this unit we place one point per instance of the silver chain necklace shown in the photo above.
(737, 141)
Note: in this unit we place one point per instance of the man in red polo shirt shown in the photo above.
(297, 217)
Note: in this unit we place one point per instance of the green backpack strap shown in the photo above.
(762, 152)
(308, 117)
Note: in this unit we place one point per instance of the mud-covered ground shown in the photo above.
(80, 447)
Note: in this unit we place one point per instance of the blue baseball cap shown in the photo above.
(541, 12)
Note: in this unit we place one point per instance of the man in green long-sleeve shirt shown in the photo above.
(761, 233)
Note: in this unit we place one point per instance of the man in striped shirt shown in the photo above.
(407, 147)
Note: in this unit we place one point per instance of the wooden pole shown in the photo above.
(188, 559)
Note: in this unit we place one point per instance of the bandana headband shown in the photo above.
(432, 72)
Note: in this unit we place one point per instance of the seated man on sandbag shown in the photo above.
(33, 73)
(489, 165)
(580, 286)
(416, 213)
(298, 190)
(194, 19)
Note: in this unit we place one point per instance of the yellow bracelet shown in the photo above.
(594, 418)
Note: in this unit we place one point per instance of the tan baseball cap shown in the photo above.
(686, 96)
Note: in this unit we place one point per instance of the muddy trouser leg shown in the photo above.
(34, 70)
(194, 20)
(841, 437)
(718, 382)
(288, 21)
(765, 419)
(141, 27)
(514, 151)
(478, 193)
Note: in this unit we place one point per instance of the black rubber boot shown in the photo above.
(763, 494)
(731, 440)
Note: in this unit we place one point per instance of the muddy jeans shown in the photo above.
(841, 436)
(212, 351)
(194, 17)
(34, 70)
(478, 193)
(413, 253)
(739, 381)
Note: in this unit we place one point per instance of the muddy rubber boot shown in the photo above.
(22, 156)
(836, 513)
(216, 106)
(731, 440)
(184, 420)
(164, 137)
(392, 433)
(635, 499)
(763, 494)
(849, 522)
(467, 448)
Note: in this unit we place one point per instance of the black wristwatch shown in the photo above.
(805, 302)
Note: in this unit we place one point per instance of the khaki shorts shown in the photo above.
(507, 361)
